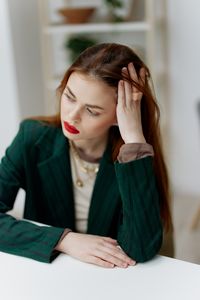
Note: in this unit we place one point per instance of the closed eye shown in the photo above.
(89, 110)
(92, 112)
(69, 97)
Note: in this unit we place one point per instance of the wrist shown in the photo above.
(133, 135)
(61, 242)
(140, 139)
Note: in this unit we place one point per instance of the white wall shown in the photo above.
(26, 45)
(21, 83)
(184, 76)
(9, 112)
(20, 72)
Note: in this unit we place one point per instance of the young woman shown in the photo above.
(95, 172)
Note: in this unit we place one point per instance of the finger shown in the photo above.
(127, 89)
(132, 262)
(136, 93)
(116, 248)
(121, 93)
(142, 76)
(133, 75)
(119, 253)
(99, 262)
(110, 240)
(128, 94)
(100, 253)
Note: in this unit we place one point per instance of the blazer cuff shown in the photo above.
(134, 151)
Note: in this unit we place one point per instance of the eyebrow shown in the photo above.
(89, 105)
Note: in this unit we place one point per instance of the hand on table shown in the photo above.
(98, 250)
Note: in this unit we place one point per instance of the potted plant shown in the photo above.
(77, 44)
(113, 6)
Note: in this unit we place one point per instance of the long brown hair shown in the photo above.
(105, 62)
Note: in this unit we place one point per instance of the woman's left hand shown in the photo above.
(128, 107)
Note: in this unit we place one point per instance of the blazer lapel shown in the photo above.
(55, 173)
(105, 198)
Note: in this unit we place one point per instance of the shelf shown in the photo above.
(97, 27)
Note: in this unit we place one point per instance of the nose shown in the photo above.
(75, 115)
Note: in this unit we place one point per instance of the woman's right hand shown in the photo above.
(98, 250)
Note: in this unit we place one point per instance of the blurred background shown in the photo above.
(40, 39)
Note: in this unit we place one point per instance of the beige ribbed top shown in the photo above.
(82, 195)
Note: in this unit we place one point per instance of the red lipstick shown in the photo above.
(70, 128)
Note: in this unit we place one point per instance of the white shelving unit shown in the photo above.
(146, 33)
(99, 27)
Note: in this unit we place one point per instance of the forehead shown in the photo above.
(87, 87)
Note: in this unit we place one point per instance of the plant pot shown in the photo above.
(76, 15)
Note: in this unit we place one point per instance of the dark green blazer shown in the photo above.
(124, 204)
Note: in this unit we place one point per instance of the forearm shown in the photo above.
(27, 239)
(140, 234)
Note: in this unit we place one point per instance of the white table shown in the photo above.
(68, 279)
